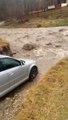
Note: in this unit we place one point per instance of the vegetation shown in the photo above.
(5, 48)
(49, 99)
(3, 43)
(56, 17)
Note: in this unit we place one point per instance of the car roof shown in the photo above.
(3, 56)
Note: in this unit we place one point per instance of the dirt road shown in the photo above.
(50, 45)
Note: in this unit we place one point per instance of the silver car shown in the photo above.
(13, 72)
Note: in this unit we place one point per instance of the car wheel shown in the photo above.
(33, 73)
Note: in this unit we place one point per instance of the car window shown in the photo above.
(9, 63)
(1, 66)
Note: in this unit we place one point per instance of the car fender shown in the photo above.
(32, 67)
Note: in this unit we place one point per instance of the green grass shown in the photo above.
(36, 22)
(51, 18)
(49, 99)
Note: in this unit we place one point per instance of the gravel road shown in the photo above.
(50, 46)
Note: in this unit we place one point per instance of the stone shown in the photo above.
(29, 46)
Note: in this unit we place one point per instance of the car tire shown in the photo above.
(33, 73)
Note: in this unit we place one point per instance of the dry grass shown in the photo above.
(42, 22)
(5, 48)
(49, 99)
(56, 13)
(3, 43)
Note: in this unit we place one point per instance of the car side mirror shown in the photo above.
(22, 62)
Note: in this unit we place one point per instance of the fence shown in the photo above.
(49, 8)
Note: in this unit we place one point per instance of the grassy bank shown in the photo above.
(49, 99)
(5, 48)
(51, 18)
(3, 44)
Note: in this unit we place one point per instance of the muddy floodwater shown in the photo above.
(46, 45)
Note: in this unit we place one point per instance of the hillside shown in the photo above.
(56, 17)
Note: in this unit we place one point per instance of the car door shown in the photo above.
(4, 82)
(16, 71)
